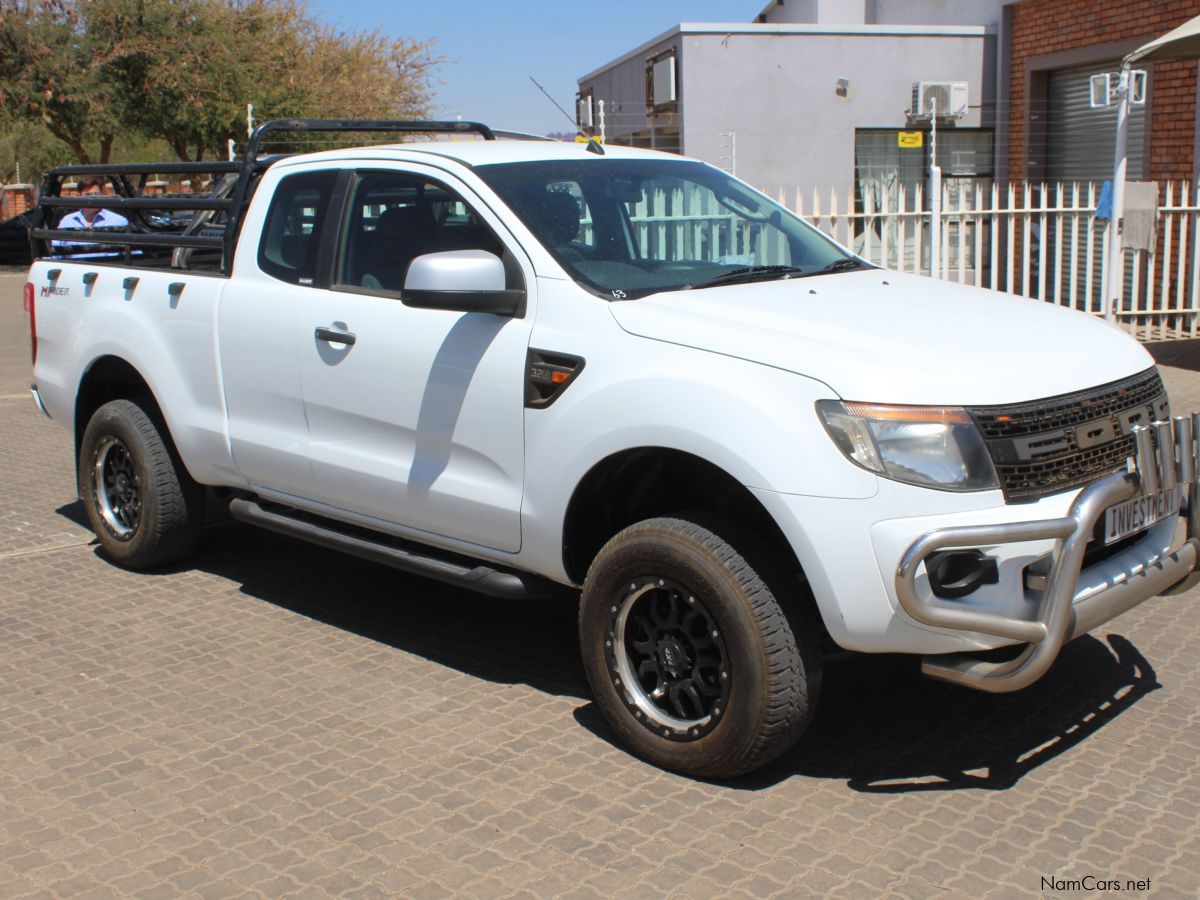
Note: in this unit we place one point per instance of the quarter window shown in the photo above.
(295, 221)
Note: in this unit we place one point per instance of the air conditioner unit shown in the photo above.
(950, 98)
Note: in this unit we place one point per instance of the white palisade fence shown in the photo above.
(1039, 241)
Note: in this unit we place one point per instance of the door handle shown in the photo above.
(333, 336)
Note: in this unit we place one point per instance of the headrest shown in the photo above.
(405, 221)
(558, 214)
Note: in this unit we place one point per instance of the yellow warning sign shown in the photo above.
(910, 139)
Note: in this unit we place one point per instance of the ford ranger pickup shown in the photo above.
(621, 378)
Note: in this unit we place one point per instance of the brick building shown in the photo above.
(1052, 47)
(15, 199)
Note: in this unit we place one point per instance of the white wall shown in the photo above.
(777, 93)
(935, 12)
(822, 12)
(884, 12)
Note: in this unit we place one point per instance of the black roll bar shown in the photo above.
(250, 165)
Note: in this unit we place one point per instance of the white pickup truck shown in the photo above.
(533, 367)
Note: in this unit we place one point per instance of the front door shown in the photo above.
(415, 416)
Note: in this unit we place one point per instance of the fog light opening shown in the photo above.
(954, 574)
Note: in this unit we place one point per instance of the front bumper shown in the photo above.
(1166, 457)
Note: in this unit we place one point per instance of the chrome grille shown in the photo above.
(1059, 443)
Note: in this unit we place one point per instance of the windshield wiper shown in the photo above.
(752, 273)
(848, 264)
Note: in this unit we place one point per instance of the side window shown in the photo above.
(295, 221)
(392, 218)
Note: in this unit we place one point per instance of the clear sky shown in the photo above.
(492, 47)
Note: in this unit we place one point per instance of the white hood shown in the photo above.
(885, 337)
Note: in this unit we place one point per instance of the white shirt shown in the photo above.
(104, 219)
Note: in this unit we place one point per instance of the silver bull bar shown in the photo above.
(1166, 456)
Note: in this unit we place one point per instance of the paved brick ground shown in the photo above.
(275, 720)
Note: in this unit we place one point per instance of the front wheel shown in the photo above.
(141, 502)
(690, 654)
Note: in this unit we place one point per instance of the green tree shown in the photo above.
(93, 72)
(27, 149)
(52, 71)
(189, 67)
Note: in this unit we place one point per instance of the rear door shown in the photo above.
(415, 416)
(263, 333)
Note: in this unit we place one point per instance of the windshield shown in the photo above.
(630, 227)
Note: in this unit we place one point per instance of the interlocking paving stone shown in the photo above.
(276, 720)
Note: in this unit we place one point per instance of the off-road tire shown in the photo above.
(773, 668)
(141, 502)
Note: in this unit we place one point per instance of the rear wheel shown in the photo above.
(689, 652)
(144, 507)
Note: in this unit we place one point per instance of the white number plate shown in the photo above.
(1138, 514)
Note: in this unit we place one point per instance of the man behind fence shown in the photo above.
(90, 216)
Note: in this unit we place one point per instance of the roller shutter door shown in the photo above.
(1079, 139)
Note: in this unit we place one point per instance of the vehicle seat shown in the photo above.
(401, 234)
(295, 252)
(556, 216)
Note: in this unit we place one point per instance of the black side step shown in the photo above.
(406, 556)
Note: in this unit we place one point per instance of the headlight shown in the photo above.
(933, 446)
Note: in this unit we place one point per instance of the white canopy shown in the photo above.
(1183, 42)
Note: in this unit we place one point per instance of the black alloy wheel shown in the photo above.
(118, 488)
(666, 650)
(143, 505)
(689, 651)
